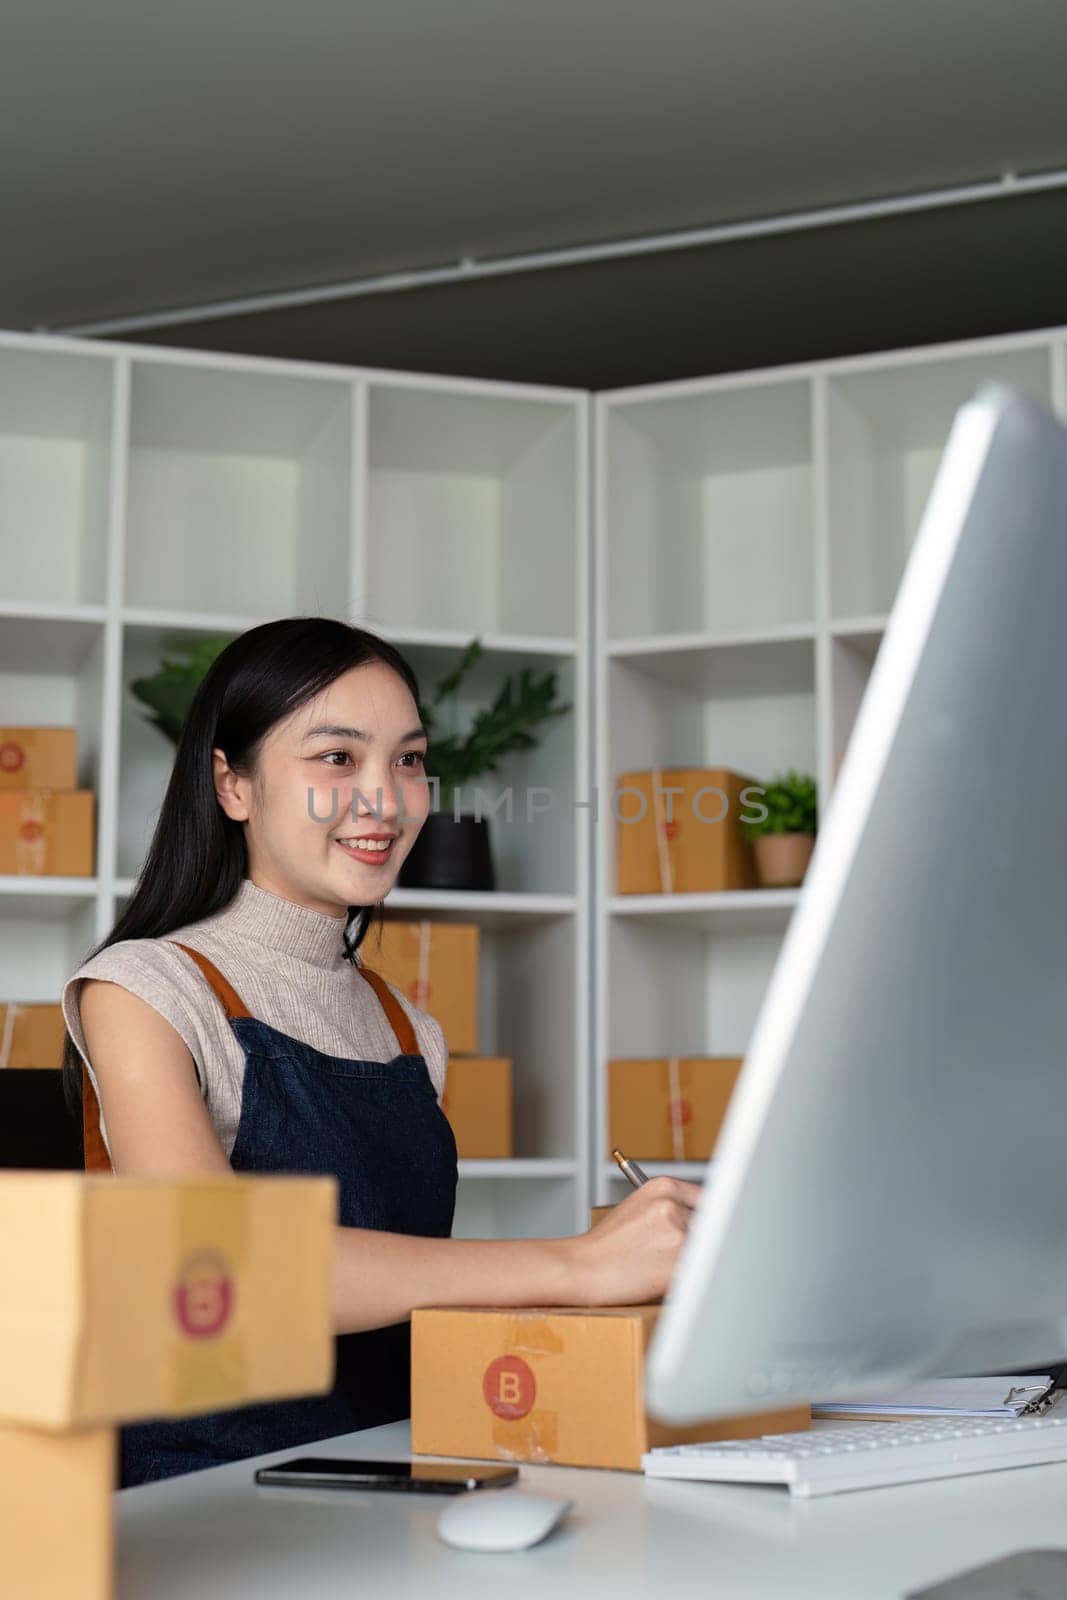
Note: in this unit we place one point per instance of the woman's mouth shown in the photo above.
(372, 849)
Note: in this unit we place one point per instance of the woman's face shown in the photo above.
(339, 794)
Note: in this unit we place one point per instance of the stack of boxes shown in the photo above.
(46, 828)
(128, 1299)
(435, 964)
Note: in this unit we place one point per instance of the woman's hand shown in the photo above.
(628, 1258)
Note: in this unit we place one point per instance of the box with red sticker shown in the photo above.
(549, 1385)
(678, 831)
(126, 1298)
(435, 964)
(47, 831)
(38, 758)
(669, 1108)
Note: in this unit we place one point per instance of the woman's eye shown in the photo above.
(331, 753)
(414, 758)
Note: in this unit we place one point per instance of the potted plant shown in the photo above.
(784, 839)
(456, 854)
(169, 692)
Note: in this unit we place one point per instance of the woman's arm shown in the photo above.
(158, 1126)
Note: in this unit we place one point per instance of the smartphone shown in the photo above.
(416, 1477)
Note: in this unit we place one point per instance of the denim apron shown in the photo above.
(377, 1127)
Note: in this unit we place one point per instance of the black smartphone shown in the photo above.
(416, 1477)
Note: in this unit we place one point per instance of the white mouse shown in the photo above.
(499, 1519)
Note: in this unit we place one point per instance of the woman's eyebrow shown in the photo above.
(334, 730)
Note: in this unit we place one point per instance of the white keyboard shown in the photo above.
(866, 1455)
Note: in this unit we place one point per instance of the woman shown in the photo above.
(227, 1023)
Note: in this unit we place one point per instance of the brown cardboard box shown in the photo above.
(57, 1532)
(669, 1108)
(436, 965)
(31, 1035)
(38, 758)
(126, 1298)
(47, 831)
(684, 843)
(549, 1385)
(477, 1102)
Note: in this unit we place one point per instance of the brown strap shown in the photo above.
(232, 1003)
(405, 1033)
(96, 1156)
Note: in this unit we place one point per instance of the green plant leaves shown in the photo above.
(169, 692)
(790, 802)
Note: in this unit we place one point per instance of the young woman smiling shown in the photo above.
(228, 1024)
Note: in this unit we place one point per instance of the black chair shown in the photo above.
(36, 1129)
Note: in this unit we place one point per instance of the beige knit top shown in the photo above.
(287, 964)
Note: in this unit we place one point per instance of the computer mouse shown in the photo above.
(499, 1519)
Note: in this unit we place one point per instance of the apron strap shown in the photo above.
(96, 1156)
(232, 1003)
(234, 1006)
(399, 1018)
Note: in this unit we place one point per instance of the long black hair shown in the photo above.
(197, 859)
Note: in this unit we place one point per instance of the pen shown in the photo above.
(630, 1170)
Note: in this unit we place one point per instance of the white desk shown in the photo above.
(217, 1535)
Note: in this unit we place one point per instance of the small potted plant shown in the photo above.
(784, 839)
(456, 854)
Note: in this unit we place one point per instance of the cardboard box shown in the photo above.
(436, 965)
(57, 1534)
(669, 1108)
(38, 758)
(545, 1385)
(477, 1102)
(128, 1298)
(47, 831)
(31, 1035)
(682, 843)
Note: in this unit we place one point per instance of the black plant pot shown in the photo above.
(449, 855)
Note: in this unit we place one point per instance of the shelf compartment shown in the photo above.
(535, 851)
(709, 510)
(500, 1208)
(240, 491)
(747, 707)
(56, 421)
(52, 674)
(44, 937)
(473, 510)
(738, 911)
(887, 432)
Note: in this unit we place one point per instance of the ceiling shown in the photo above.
(154, 159)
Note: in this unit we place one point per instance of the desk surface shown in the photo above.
(219, 1534)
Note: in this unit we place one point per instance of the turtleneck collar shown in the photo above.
(275, 923)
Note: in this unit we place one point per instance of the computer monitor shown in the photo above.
(888, 1196)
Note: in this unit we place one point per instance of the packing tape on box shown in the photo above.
(7, 1036)
(666, 873)
(31, 841)
(674, 1101)
(522, 1430)
(207, 1364)
(423, 979)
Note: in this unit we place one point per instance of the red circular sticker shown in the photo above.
(670, 829)
(419, 991)
(204, 1294)
(509, 1387)
(679, 1111)
(30, 832)
(12, 757)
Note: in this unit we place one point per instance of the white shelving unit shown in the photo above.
(750, 533)
(149, 497)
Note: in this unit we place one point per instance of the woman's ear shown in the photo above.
(230, 790)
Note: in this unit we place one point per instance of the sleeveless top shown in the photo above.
(375, 1126)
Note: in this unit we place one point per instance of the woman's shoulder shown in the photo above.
(132, 957)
